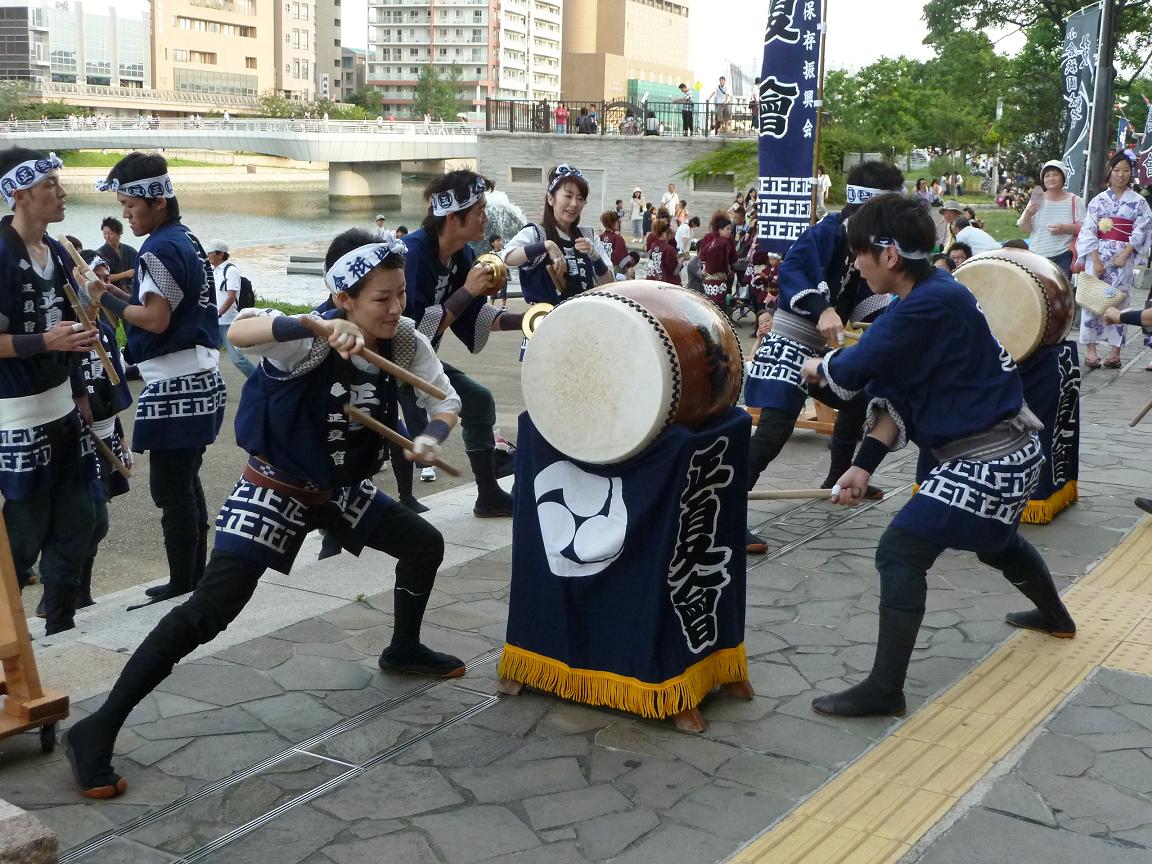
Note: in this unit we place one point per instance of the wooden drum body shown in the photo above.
(1026, 298)
(608, 370)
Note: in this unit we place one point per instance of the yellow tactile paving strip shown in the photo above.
(876, 809)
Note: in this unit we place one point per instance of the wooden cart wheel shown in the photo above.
(48, 737)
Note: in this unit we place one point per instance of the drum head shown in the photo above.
(1012, 299)
(600, 379)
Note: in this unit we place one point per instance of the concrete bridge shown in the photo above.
(363, 157)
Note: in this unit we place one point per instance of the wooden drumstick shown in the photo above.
(81, 312)
(395, 370)
(789, 494)
(370, 422)
(108, 454)
(1140, 416)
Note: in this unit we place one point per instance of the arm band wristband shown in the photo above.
(599, 266)
(113, 304)
(458, 303)
(871, 453)
(27, 344)
(437, 429)
(1131, 316)
(509, 321)
(534, 251)
(287, 328)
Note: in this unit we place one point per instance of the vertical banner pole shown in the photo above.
(819, 110)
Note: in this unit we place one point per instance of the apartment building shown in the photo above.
(328, 70)
(508, 48)
(63, 42)
(609, 43)
(353, 72)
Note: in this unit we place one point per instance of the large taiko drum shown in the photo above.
(608, 370)
(1025, 297)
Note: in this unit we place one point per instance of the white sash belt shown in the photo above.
(25, 412)
(186, 362)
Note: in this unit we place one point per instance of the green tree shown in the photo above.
(1133, 25)
(436, 95)
(273, 104)
(370, 99)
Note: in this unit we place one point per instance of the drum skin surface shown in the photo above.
(608, 370)
(1026, 298)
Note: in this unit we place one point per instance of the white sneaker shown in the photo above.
(428, 474)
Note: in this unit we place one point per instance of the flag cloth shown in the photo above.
(628, 580)
(1144, 155)
(1052, 390)
(1078, 71)
(789, 96)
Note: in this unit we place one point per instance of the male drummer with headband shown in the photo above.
(820, 289)
(310, 466)
(446, 290)
(45, 461)
(936, 375)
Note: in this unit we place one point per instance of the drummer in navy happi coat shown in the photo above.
(935, 375)
(310, 466)
(820, 291)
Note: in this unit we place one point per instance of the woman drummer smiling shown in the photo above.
(558, 258)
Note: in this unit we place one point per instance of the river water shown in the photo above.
(262, 228)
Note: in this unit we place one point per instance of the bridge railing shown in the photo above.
(616, 118)
(220, 100)
(242, 126)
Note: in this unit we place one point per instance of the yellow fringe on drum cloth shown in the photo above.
(1042, 512)
(592, 687)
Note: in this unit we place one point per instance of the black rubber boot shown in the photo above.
(1025, 568)
(84, 591)
(59, 607)
(406, 656)
(329, 546)
(881, 694)
(491, 500)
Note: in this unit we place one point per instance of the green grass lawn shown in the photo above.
(96, 159)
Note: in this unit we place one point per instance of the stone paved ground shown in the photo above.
(369, 768)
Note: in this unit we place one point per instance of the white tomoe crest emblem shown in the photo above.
(583, 519)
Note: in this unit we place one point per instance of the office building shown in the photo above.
(614, 47)
(329, 64)
(353, 73)
(61, 41)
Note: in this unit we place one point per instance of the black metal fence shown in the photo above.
(615, 118)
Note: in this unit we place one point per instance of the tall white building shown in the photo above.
(504, 48)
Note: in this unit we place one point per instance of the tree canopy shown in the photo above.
(949, 102)
(436, 95)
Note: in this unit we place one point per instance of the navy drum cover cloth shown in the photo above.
(1051, 377)
(628, 579)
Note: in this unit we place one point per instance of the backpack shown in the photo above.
(246, 298)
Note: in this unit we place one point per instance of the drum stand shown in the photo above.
(816, 416)
(28, 705)
(686, 721)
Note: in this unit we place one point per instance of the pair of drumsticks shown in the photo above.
(320, 328)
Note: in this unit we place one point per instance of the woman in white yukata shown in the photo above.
(1115, 233)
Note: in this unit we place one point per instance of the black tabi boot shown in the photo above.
(491, 500)
(403, 471)
(881, 694)
(84, 590)
(59, 607)
(89, 743)
(406, 656)
(185, 564)
(329, 546)
(1025, 568)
